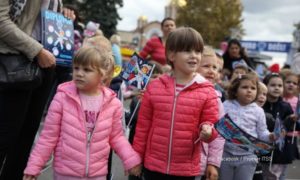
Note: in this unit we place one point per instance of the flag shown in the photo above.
(278, 133)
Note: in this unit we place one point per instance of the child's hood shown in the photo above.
(70, 90)
(198, 81)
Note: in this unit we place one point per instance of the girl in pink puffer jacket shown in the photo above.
(211, 153)
(82, 124)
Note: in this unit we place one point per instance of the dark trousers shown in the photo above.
(20, 114)
(151, 175)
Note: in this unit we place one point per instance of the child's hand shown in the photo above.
(136, 171)
(211, 172)
(294, 117)
(141, 94)
(272, 137)
(205, 132)
(29, 177)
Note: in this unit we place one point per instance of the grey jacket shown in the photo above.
(16, 37)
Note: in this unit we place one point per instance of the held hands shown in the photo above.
(294, 117)
(273, 137)
(135, 171)
(206, 132)
(29, 177)
(45, 59)
(211, 172)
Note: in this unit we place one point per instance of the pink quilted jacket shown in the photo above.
(168, 125)
(64, 133)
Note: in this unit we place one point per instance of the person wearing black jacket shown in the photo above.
(277, 108)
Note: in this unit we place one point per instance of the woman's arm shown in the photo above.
(13, 36)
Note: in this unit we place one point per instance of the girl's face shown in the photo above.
(237, 72)
(87, 79)
(246, 92)
(290, 85)
(262, 97)
(185, 62)
(234, 51)
(275, 88)
(209, 68)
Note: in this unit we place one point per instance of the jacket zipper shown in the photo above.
(171, 133)
(89, 136)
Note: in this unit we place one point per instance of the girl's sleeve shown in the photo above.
(120, 144)
(48, 138)
(210, 113)
(261, 125)
(215, 151)
(143, 125)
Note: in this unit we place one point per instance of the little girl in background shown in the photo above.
(83, 122)
(211, 153)
(290, 88)
(238, 163)
(276, 106)
(176, 111)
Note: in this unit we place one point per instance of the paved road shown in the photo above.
(292, 174)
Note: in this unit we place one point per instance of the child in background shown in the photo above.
(83, 122)
(220, 78)
(176, 111)
(290, 88)
(276, 106)
(211, 153)
(260, 101)
(239, 163)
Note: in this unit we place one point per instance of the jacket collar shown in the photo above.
(69, 88)
(198, 81)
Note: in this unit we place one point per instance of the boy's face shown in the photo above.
(185, 62)
(262, 96)
(209, 68)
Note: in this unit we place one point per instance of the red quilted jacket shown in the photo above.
(168, 125)
(155, 48)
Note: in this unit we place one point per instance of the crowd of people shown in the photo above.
(172, 134)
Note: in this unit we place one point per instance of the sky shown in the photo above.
(269, 20)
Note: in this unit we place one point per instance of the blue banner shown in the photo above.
(268, 46)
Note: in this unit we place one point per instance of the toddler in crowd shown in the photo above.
(239, 163)
(83, 123)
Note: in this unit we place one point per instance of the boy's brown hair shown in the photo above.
(183, 39)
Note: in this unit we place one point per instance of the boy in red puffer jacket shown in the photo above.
(177, 111)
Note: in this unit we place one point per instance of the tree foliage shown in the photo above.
(100, 11)
(214, 19)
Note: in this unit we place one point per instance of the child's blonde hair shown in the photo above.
(183, 39)
(104, 44)
(261, 87)
(99, 59)
(208, 51)
(115, 39)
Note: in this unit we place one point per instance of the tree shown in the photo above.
(100, 11)
(214, 19)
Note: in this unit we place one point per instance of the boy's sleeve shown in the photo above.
(143, 125)
(210, 113)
